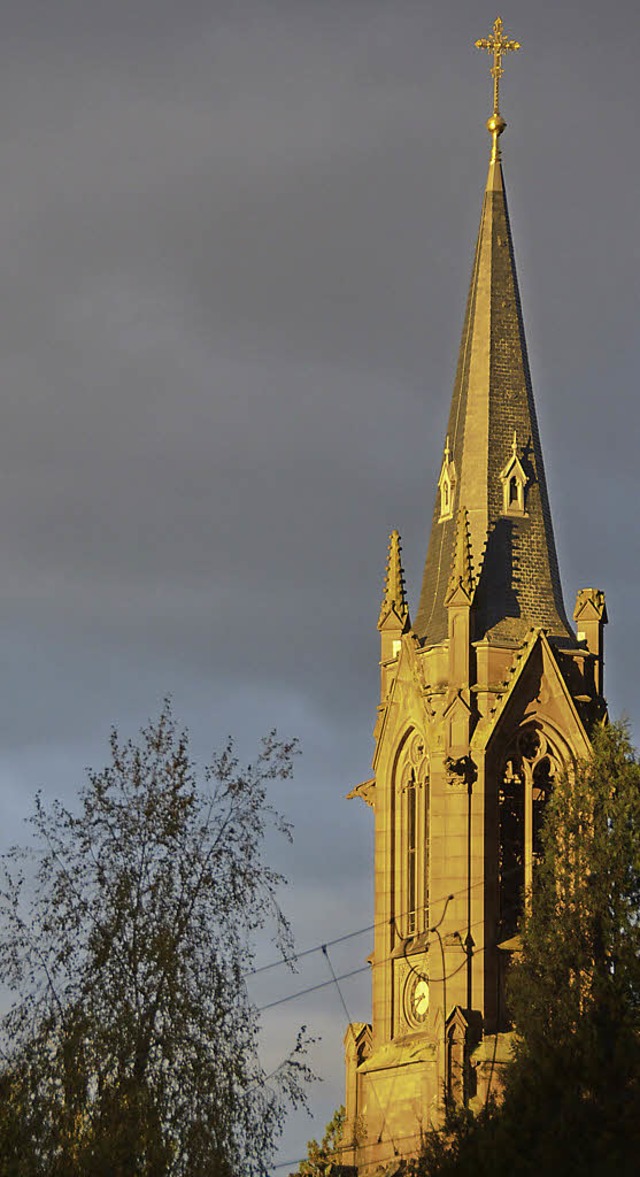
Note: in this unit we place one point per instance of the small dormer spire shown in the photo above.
(394, 599)
(514, 482)
(446, 484)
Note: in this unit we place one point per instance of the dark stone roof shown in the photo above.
(514, 560)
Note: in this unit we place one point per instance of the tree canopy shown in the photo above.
(125, 929)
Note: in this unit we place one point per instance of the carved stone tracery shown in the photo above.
(529, 770)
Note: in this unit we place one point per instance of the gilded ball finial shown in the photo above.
(496, 124)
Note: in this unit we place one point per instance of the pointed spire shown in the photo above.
(394, 599)
(511, 545)
(461, 579)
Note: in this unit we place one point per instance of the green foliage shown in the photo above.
(578, 978)
(458, 1147)
(323, 1160)
(572, 1094)
(125, 930)
(575, 992)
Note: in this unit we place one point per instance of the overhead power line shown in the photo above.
(274, 964)
(296, 956)
(354, 972)
(312, 988)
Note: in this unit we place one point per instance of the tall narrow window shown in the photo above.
(511, 851)
(541, 787)
(412, 854)
(527, 781)
(411, 837)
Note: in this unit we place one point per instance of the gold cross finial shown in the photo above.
(497, 44)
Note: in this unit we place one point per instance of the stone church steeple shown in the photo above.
(492, 462)
(483, 701)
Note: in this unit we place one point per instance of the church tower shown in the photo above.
(484, 699)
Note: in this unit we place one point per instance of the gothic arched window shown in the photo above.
(411, 827)
(527, 780)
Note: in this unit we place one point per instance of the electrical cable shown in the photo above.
(357, 932)
(362, 969)
(312, 988)
(307, 952)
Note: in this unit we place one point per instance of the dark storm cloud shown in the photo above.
(236, 240)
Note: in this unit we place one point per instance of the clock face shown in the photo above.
(417, 1005)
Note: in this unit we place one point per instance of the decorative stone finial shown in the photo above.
(497, 44)
(461, 571)
(394, 600)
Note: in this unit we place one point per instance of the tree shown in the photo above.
(575, 991)
(572, 1092)
(125, 931)
(323, 1159)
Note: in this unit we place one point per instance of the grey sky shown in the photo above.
(236, 240)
